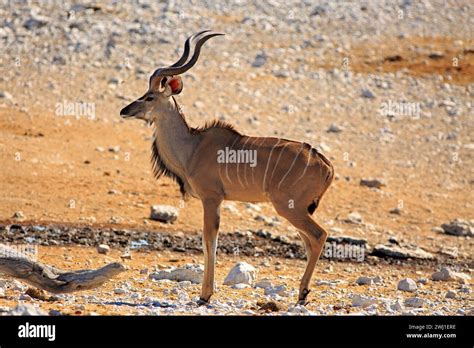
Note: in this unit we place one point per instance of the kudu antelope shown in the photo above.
(293, 176)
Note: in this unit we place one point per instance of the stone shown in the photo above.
(372, 183)
(354, 218)
(334, 128)
(18, 215)
(396, 306)
(5, 95)
(415, 302)
(270, 306)
(27, 310)
(114, 149)
(362, 301)
(451, 294)
(458, 227)
(398, 252)
(264, 283)
(260, 60)
(407, 284)
(241, 273)
(103, 249)
(191, 272)
(164, 213)
(126, 256)
(364, 281)
(240, 286)
(446, 274)
(279, 290)
(367, 93)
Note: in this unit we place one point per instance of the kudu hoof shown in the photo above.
(202, 302)
(302, 299)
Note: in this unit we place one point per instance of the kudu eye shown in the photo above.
(148, 98)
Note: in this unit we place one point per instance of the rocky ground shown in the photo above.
(384, 89)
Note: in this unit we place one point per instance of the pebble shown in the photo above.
(334, 128)
(354, 218)
(451, 294)
(415, 302)
(5, 95)
(367, 93)
(103, 249)
(362, 301)
(373, 183)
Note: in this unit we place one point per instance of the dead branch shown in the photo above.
(19, 265)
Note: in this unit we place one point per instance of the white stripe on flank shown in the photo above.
(245, 167)
(278, 160)
(268, 164)
(254, 168)
(292, 164)
(305, 168)
(227, 162)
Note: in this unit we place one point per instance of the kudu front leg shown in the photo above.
(209, 245)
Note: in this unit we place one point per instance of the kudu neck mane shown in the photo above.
(159, 166)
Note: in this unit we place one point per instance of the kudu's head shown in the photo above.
(166, 82)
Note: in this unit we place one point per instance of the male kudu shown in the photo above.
(292, 175)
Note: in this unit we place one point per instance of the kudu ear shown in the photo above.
(173, 85)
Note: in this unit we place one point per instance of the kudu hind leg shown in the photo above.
(314, 237)
(209, 245)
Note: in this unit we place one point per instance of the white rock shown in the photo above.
(190, 272)
(354, 218)
(264, 283)
(298, 309)
(241, 273)
(396, 306)
(446, 274)
(5, 95)
(362, 301)
(164, 213)
(103, 249)
(407, 284)
(240, 286)
(279, 290)
(415, 302)
(27, 309)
